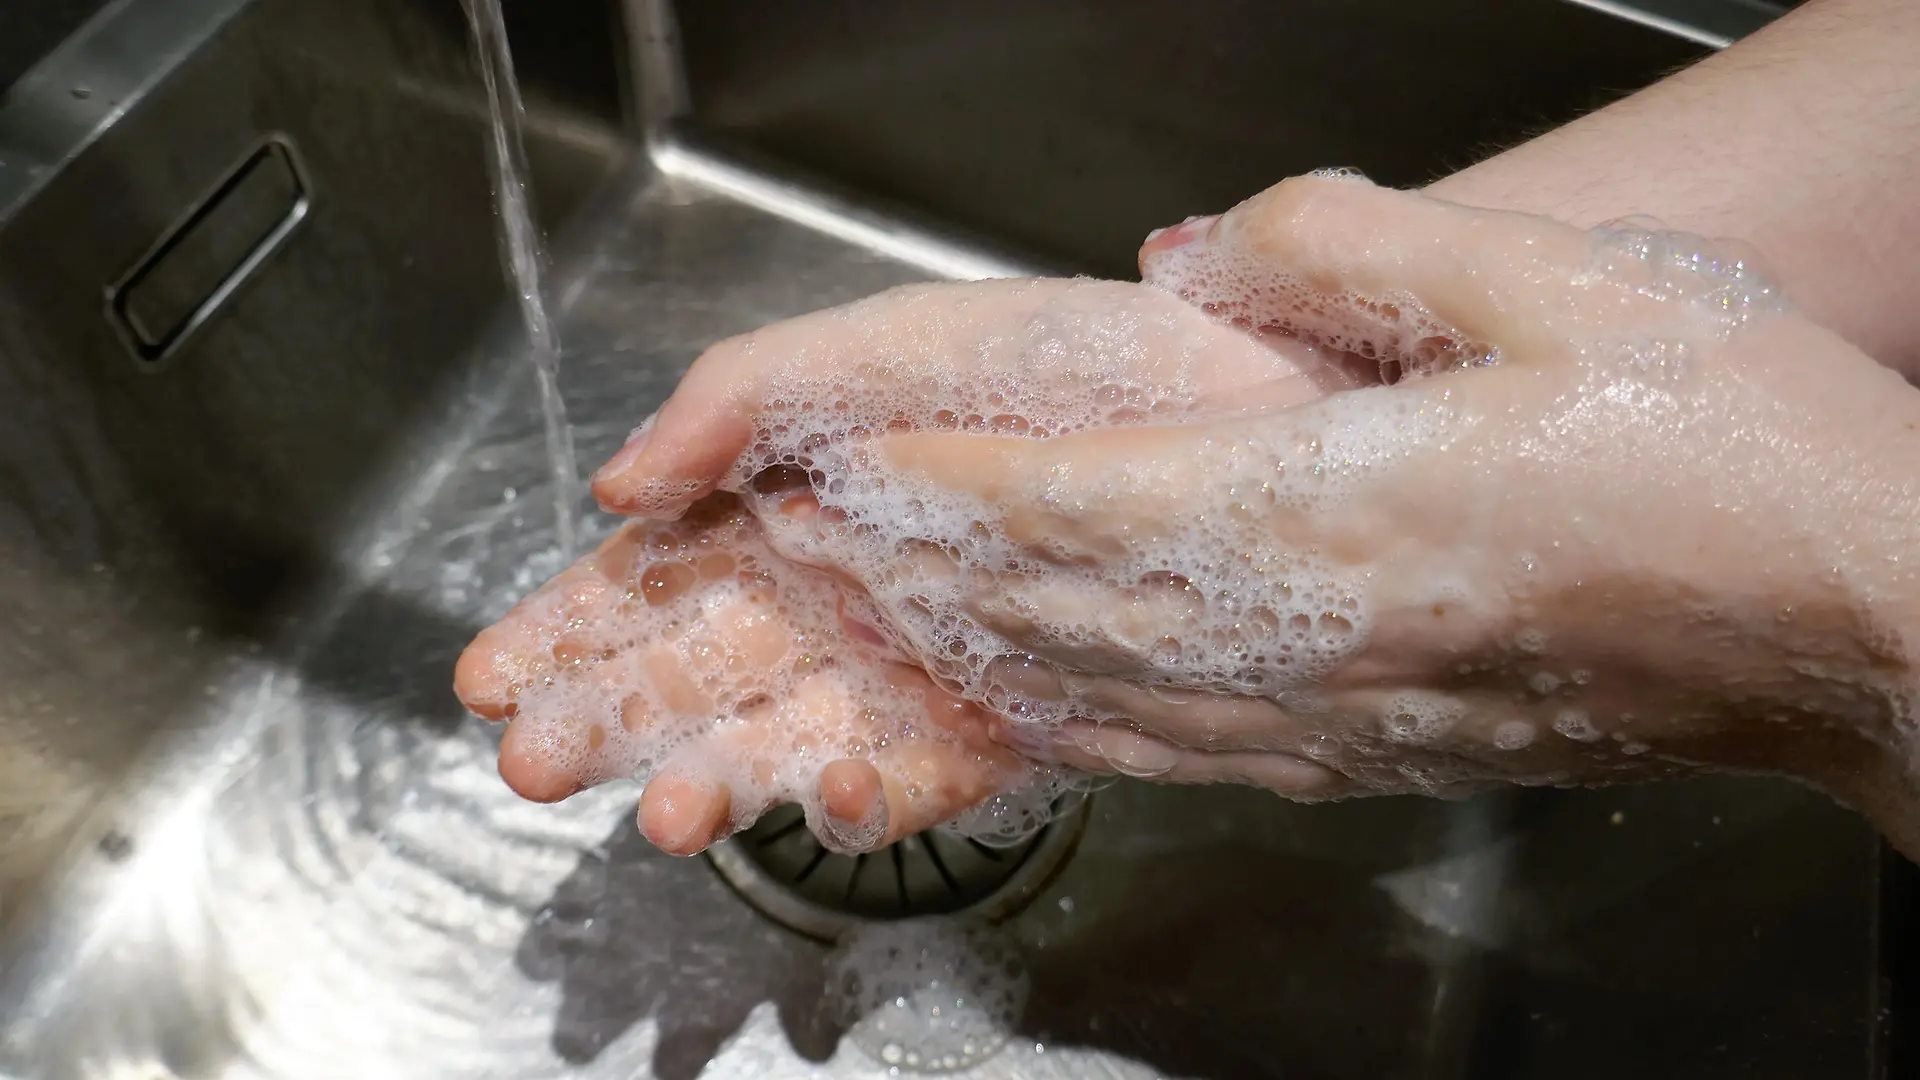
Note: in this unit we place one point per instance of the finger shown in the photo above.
(1012, 474)
(903, 775)
(506, 658)
(537, 762)
(864, 808)
(1092, 627)
(927, 333)
(851, 791)
(1283, 774)
(491, 671)
(1349, 263)
(678, 455)
(1095, 495)
(683, 451)
(956, 717)
(1195, 719)
(514, 653)
(853, 799)
(681, 815)
(931, 778)
(1113, 748)
(928, 782)
(940, 765)
(1186, 719)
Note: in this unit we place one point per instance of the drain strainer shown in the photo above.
(779, 868)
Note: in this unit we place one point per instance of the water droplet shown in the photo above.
(1166, 651)
(1575, 725)
(1513, 735)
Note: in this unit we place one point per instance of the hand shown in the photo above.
(966, 356)
(957, 356)
(1620, 514)
(692, 658)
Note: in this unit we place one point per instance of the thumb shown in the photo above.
(1387, 275)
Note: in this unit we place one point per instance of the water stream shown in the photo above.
(523, 256)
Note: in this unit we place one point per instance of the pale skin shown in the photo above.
(1802, 140)
(1712, 582)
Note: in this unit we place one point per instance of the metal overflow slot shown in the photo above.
(210, 252)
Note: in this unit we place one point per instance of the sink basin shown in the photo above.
(245, 830)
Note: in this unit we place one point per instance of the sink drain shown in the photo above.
(779, 868)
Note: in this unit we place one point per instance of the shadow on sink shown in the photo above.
(632, 934)
(1183, 980)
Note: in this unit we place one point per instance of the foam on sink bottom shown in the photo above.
(927, 995)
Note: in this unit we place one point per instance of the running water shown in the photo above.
(521, 252)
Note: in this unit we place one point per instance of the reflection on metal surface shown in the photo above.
(1069, 129)
(67, 100)
(656, 80)
(808, 207)
(781, 869)
(1714, 23)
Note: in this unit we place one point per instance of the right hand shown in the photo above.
(1669, 527)
(1713, 532)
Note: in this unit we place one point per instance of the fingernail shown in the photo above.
(630, 451)
(678, 840)
(686, 805)
(1021, 737)
(858, 834)
(1287, 773)
(1076, 682)
(1027, 677)
(1179, 235)
(1172, 695)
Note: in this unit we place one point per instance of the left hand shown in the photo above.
(690, 657)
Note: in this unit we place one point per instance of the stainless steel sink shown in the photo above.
(272, 455)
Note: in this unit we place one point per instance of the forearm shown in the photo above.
(1803, 140)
